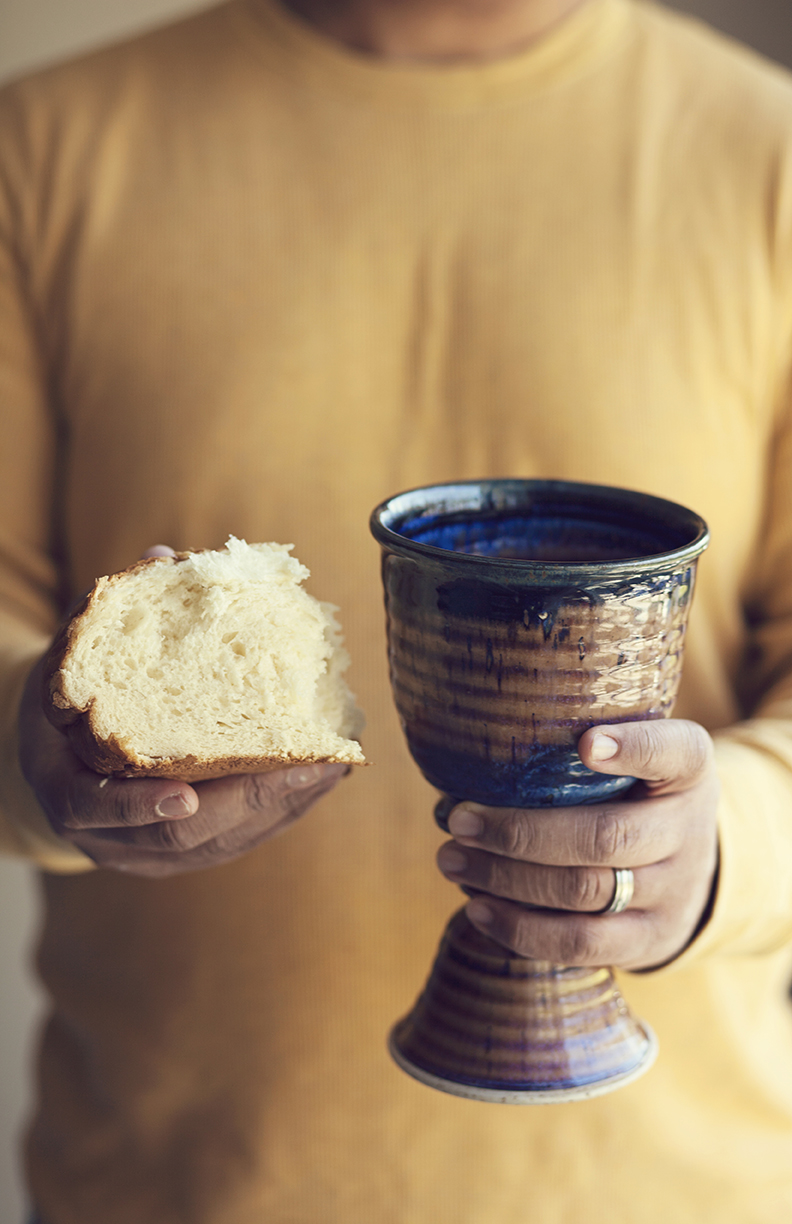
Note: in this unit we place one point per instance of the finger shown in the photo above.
(159, 851)
(668, 754)
(268, 798)
(89, 801)
(628, 940)
(239, 810)
(130, 851)
(158, 550)
(578, 889)
(617, 834)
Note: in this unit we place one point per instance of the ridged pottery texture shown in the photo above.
(498, 1022)
(519, 614)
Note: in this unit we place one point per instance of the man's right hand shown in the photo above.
(152, 826)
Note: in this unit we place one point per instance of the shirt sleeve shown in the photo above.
(28, 532)
(752, 911)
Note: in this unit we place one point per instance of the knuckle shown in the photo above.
(124, 808)
(259, 794)
(695, 748)
(70, 809)
(611, 835)
(234, 842)
(496, 875)
(580, 888)
(173, 835)
(515, 836)
(520, 937)
(290, 808)
(579, 944)
(645, 744)
(662, 750)
(128, 807)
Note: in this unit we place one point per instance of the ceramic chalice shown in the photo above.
(519, 614)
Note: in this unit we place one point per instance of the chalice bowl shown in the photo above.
(519, 614)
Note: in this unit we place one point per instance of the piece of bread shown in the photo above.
(204, 664)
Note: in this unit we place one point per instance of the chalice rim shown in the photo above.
(502, 495)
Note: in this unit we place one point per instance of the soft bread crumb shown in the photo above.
(211, 656)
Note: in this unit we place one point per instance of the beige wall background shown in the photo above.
(33, 32)
(765, 24)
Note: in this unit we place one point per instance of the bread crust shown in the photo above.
(108, 756)
(59, 710)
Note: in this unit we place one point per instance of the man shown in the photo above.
(263, 268)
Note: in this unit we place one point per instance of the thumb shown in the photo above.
(668, 754)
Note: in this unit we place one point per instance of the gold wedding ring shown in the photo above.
(623, 892)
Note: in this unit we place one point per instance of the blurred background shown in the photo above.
(34, 32)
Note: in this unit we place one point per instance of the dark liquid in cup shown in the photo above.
(552, 538)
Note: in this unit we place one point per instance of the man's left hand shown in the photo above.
(563, 860)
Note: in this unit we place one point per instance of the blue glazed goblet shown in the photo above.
(519, 614)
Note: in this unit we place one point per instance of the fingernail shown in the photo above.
(603, 748)
(464, 823)
(451, 859)
(159, 550)
(479, 912)
(311, 775)
(303, 775)
(173, 805)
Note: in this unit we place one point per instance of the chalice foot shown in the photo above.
(493, 1026)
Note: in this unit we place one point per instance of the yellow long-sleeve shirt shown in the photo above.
(252, 282)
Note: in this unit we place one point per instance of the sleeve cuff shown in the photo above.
(25, 831)
(751, 911)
